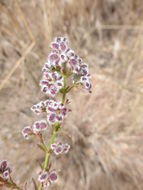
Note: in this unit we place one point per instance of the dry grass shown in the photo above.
(106, 128)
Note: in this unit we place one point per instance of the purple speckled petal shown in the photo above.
(53, 177)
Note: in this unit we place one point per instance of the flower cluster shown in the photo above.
(39, 126)
(56, 112)
(59, 148)
(5, 170)
(62, 65)
(58, 55)
(51, 83)
(46, 178)
(63, 61)
(40, 107)
(36, 128)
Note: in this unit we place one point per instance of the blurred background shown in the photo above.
(105, 128)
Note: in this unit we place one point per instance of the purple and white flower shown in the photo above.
(63, 59)
(56, 112)
(39, 126)
(53, 177)
(51, 83)
(43, 177)
(60, 44)
(59, 148)
(27, 131)
(66, 148)
(5, 170)
(85, 81)
(46, 177)
(35, 129)
(40, 107)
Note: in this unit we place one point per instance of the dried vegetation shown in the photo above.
(105, 129)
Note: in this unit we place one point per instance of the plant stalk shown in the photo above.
(56, 128)
(64, 90)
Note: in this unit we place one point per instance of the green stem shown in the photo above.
(57, 126)
(64, 89)
(43, 143)
(49, 147)
(40, 186)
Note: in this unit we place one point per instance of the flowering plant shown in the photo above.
(63, 71)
